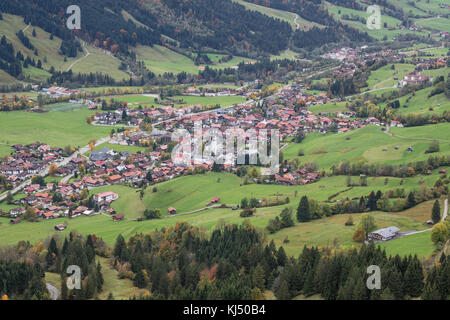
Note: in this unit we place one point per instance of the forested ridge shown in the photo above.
(232, 262)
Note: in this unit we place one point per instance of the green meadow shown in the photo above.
(162, 60)
(332, 107)
(97, 61)
(328, 231)
(367, 144)
(55, 128)
(280, 14)
(438, 23)
(339, 11)
(188, 193)
(180, 101)
(421, 103)
(384, 77)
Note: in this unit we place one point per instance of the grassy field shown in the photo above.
(333, 107)
(121, 148)
(55, 128)
(162, 60)
(279, 14)
(439, 23)
(367, 144)
(419, 244)
(339, 11)
(324, 232)
(407, 8)
(188, 193)
(225, 101)
(384, 77)
(222, 101)
(120, 288)
(420, 103)
(5, 78)
(97, 61)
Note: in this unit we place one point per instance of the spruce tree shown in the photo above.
(413, 279)
(303, 210)
(411, 200)
(283, 291)
(436, 212)
(140, 281)
(372, 202)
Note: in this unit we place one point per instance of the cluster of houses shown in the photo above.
(55, 200)
(27, 161)
(414, 78)
(56, 92)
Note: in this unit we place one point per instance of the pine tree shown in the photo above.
(120, 247)
(303, 210)
(9, 198)
(387, 295)
(308, 286)
(411, 200)
(413, 278)
(140, 281)
(52, 252)
(372, 202)
(90, 251)
(431, 292)
(436, 212)
(64, 290)
(283, 291)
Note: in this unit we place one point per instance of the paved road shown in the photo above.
(444, 216)
(54, 292)
(295, 21)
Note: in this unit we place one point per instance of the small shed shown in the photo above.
(215, 200)
(118, 217)
(172, 210)
(60, 227)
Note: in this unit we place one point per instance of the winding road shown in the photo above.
(295, 21)
(444, 216)
(82, 58)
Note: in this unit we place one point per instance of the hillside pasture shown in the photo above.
(367, 144)
(55, 128)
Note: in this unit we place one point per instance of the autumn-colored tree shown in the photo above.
(359, 235)
(53, 169)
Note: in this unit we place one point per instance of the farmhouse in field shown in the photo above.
(384, 234)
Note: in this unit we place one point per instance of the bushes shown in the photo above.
(247, 212)
(349, 221)
(359, 235)
(284, 221)
(434, 147)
